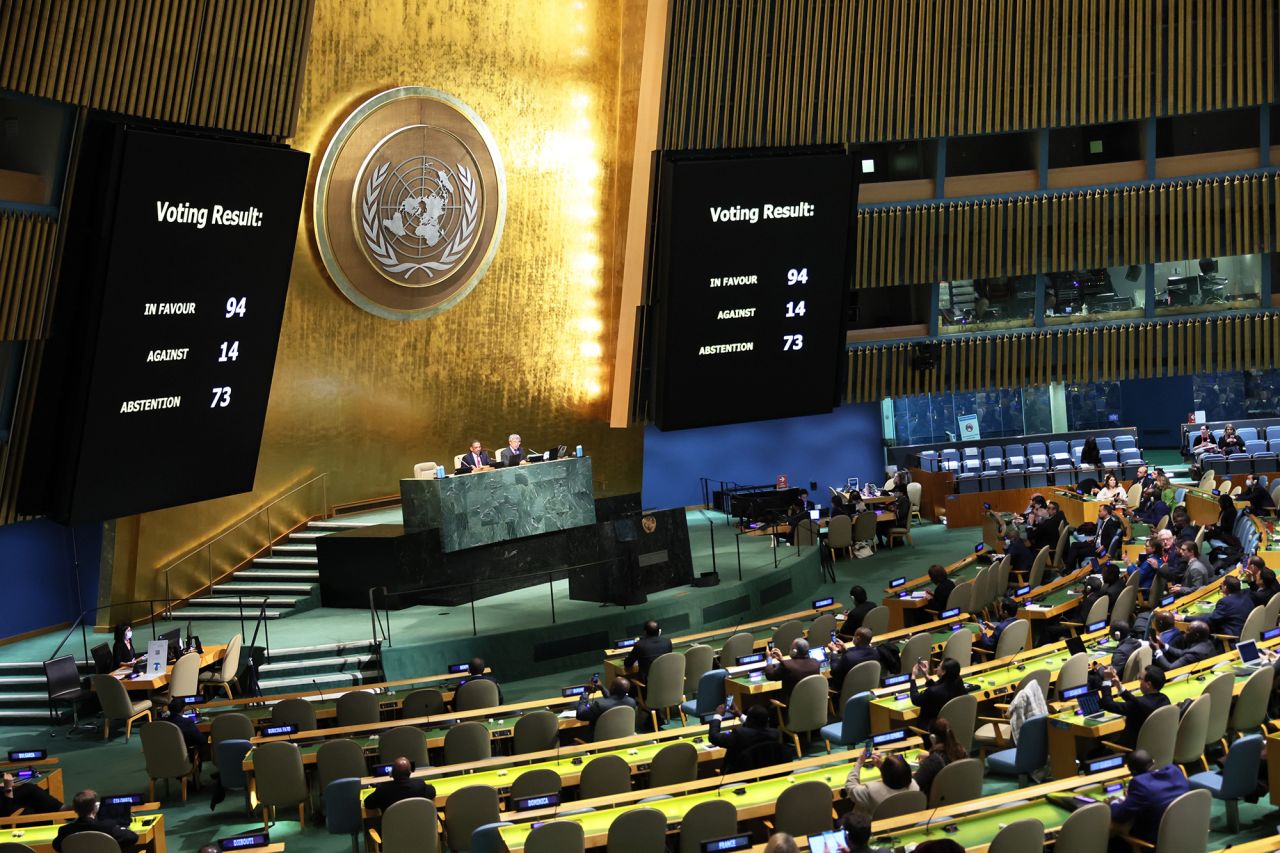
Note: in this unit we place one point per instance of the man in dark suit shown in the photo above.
(590, 710)
(647, 649)
(401, 787)
(1261, 580)
(514, 453)
(1196, 645)
(191, 734)
(1135, 709)
(86, 807)
(1150, 793)
(1232, 609)
(1045, 532)
(1018, 554)
(1108, 527)
(29, 797)
(861, 607)
(845, 658)
(1009, 611)
(792, 670)
(476, 458)
(755, 729)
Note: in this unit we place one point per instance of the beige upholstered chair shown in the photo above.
(226, 674)
(405, 741)
(165, 754)
(466, 742)
(90, 842)
(408, 826)
(535, 732)
(468, 808)
(117, 705)
(638, 831)
(424, 470)
(294, 712)
(280, 779)
(358, 707)
(339, 759)
(604, 776)
(707, 820)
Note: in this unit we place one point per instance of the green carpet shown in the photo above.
(116, 767)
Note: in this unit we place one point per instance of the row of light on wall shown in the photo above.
(586, 262)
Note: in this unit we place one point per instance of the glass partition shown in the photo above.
(1096, 295)
(934, 418)
(1248, 394)
(1093, 405)
(977, 305)
(1208, 284)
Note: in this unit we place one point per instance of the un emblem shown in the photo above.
(409, 204)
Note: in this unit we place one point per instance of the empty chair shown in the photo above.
(467, 741)
(1221, 691)
(949, 459)
(1247, 434)
(959, 646)
(839, 535)
(338, 759)
(855, 722)
(710, 819)
(1157, 735)
(1273, 433)
(228, 727)
(408, 826)
(698, 659)
(476, 694)
(1250, 710)
(1031, 753)
(739, 645)
(1059, 452)
(819, 631)
(225, 675)
(116, 705)
(604, 776)
(184, 680)
(992, 459)
(294, 712)
(103, 661)
(864, 529)
(1188, 744)
(915, 491)
(1015, 456)
(341, 800)
(423, 703)
(901, 530)
(358, 708)
(404, 741)
(1073, 673)
(962, 713)
(961, 597)
(807, 710)
(165, 754)
(1238, 779)
(638, 831)
(903, 802)
(665, 685)
(863, 676)
(614, 723)
(917, 646)
(710, 694)
(1086, 830)
(877, 620)
(674, 764)
(787, 633)
(533, 783)
(1253, 625)
(1018, 837)
(229, 758)
(1125, 602)
(279, 779)
(1036, 576)
(957, 782)
(535, 732)
(468, 809)
(804, 809)
(556, 836)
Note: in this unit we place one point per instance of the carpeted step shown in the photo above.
(291, 560)
(321, 681)
(247, 587)
(287, 575)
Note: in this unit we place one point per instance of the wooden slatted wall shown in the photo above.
(1170, 221)
(228, 64)
(26, 258)
(1138, 350)
(798, 72)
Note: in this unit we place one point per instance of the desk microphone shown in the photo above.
(316, 685)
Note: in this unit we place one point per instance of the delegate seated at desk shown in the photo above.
(514, 454)
(474, 459)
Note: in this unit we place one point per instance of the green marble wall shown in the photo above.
(508, 503)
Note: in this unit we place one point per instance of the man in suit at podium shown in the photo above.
(477, 458)
(513, 454)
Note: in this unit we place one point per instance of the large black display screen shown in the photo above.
(176, 322)
(751, 276)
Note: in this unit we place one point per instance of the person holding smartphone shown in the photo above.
(755, 729)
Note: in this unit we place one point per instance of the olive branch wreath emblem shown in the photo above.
(385, 254)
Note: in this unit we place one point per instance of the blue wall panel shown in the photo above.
(40, 582)
(1156, 407)
(825, 448)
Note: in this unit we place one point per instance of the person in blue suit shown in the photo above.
(1009, 610)
(475, 458)
(1233, 608)
(1151, 790)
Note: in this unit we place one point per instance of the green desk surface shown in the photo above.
(258, 711)
(502, 777)
(1005, 676)
(980, 829)
(941, 637)
(756, 794)
(964, 573)
(1185, 687)
(44, 834)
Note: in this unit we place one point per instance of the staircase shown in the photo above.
(335, 665)
(288, 578)
(23, 697)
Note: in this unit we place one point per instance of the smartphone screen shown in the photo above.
(728, 702)
(866, 750)
(833, 636)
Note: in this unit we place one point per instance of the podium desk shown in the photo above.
(477, 509)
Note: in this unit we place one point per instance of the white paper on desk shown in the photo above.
(157, 656)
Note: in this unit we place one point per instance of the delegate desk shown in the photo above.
(1202, 506)
(48, 774)
(638, 751)
(976, 822)
(211, 655)
(762, 630)
(1052, 599)
(902, 598)
(753, 797)
(501, 504)
(750, 687)
(893, 708)
(149, 828)
(1068, 723)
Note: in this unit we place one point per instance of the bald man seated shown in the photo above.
(400, 787)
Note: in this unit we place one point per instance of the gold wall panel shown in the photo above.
(1139, 350)
(917, 244)
(364, 398)
(784, 72)
(230, 64)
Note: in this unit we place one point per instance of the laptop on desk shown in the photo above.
(1250, 662)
